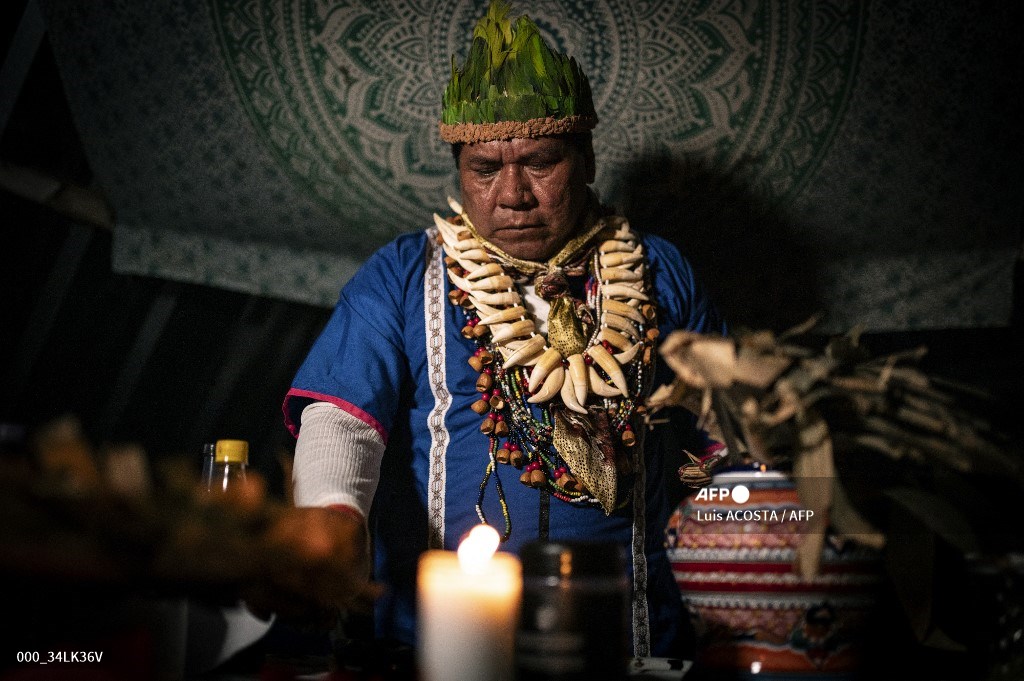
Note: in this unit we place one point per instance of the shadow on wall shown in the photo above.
(755, 267)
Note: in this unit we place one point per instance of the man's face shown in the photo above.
(525, 196)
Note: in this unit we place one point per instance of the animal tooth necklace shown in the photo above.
(561, 407)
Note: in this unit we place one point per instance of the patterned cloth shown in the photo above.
(393, 356)
(864, 157)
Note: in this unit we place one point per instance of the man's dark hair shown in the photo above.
(582, 141)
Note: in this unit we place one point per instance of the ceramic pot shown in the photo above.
(754, 615)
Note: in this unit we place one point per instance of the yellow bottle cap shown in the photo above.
(232, 451)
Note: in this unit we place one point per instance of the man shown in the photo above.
(493, 369)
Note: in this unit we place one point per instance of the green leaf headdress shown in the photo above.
(514, 85)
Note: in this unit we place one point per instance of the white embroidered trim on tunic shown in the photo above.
(641, 616)
(434, 323)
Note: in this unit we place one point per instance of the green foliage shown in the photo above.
(512, 75)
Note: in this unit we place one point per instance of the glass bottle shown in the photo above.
(230, 461)
(209, 449)
(574, 619)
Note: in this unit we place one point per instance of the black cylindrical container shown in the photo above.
(574, 618)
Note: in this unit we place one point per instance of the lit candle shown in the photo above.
(468, 607)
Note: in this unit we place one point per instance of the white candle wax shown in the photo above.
(466, 622)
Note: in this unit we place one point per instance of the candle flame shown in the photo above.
(476, 549)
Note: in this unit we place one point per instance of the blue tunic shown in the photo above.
(393, 355)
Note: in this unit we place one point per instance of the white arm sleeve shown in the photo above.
(337, 459)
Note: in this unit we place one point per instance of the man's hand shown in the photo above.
(321, 561)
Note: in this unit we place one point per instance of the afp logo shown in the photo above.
(738, 493)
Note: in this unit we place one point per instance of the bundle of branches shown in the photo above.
(77, 517)
(880, 451)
